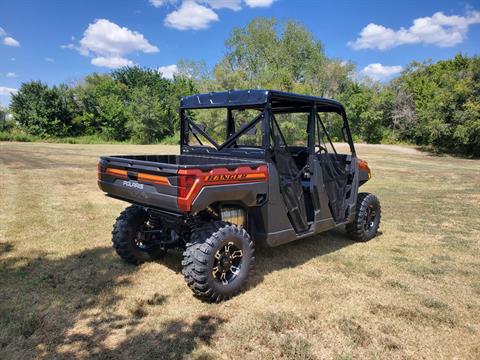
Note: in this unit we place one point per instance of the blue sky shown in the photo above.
(56, 41)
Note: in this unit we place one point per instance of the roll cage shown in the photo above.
(268, 103)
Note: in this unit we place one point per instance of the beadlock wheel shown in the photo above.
(367, 218)
(217, 260)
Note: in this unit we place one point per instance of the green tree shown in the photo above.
(365, 111)
(150, 119)
(283, 56)
(438, 104)
(42, 110)
(3, 118)
(103, 104)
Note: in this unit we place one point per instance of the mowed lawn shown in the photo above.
(412, 292)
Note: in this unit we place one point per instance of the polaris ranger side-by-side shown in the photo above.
(255, 167)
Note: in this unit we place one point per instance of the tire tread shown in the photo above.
(198, 251)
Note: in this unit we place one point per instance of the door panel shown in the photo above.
(291, 187)
(337, 178)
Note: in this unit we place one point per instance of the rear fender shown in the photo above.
(246, 185)
(246, 195)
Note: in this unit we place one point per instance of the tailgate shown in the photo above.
(143, 182)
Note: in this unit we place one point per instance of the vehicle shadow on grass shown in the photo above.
(71, 308)
(270, 259)
(296, 253)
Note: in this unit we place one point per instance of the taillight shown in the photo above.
(155, 179)
(185, 184)
(117, 173)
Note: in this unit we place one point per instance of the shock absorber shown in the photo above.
(154, 220)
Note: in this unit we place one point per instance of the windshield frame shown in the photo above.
(229, 145)
(266, 113)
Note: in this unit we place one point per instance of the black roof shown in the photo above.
(257, 98)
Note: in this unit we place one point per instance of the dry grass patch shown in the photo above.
(412, 292)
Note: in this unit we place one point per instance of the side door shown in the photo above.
(336, 159)
(290, 168)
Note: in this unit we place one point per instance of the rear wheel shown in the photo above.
(367, 218)
(128, 237)
(217, 260)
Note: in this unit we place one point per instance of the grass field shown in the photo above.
(412, 292)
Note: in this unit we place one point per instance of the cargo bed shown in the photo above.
(156, 180)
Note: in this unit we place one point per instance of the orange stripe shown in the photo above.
(116, 172)
(153, 179)
(259, 176)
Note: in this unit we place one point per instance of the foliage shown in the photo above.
(131, 103)
(42, 110)
(150, 119)
(266, 54)
(439, 104)
(16, 134)
(429, 104)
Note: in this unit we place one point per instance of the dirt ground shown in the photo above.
(412, 292)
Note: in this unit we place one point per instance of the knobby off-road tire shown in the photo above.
(213, 247)
(125, 236)
(367, 218)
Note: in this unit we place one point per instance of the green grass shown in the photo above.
(18, 135)
(411, 292)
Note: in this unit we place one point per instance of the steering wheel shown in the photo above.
(320, 149)
(304, 150)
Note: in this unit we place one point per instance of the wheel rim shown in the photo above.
(227, 263)
(370, 216)
(139, 241)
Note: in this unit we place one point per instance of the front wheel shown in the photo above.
(217, 260)
(367, 218)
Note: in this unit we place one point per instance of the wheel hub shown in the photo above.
(227, 263)
(370, 218)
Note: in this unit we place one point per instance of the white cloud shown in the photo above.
(214, 4)
(7, 91)
(49, 59)
(198, 14)
(112, 62)
(9, 41)
(104, 37)
(108, 44)
(259, 3)
(378, 71)
(160, 3)
(191, 15)
(439, 29)
(223, 4)
(10, 75)
(168, 71)
(68, 46)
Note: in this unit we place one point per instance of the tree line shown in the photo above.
(429, 104)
